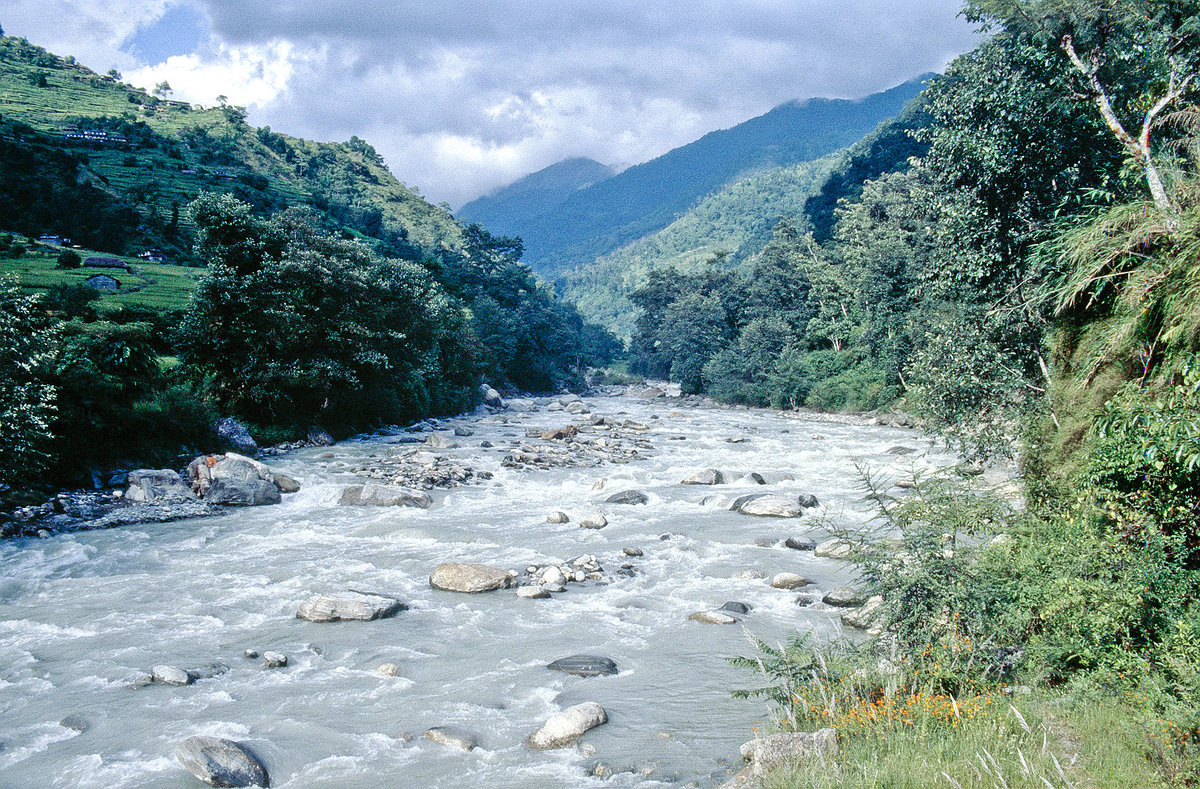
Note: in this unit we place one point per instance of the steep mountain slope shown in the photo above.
(502, 211)
(646, 198)
(733, 224)
(69, 134)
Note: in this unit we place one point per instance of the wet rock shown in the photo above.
(558, 516)
(221, 762)
(764, 542)
(235, 435)
(153, 486)
(349, 606)
(533, 593)
(735, 607)
(319, 437)
(564, 728)
(808, 501)
(170, 675)
(469, 578)
(789, 581)
(389, 669)
(750, 575)
(491, 397)
(242, 493)
(755, 478)
(652, 393)
(455, 738)
(709, 476)
(866, 618)
(585, 666)
(372, 495)
(275, 660)
(901, 451)
(250, 654)
(835, 548)
(595, 521)
(486, 445)
(559, 433)
(440, 441)
(554, 576)
(577, 408)
(628, 497)
(800, 544)
(713, 618)
(844, 597)
(462, 431)
(768, 506)
(632, 551)
(285, 483)
(630, 424)
(75, 723)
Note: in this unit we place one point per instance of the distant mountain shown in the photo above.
(733, 223)
(603, 217)
(502, 211)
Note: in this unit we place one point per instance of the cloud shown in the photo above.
(463, 97)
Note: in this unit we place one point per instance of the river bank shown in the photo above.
(93, 611)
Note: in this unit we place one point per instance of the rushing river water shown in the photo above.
(84, 615)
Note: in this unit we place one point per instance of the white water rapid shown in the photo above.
(84, 615)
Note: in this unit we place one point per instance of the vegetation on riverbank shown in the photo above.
(1030, 284)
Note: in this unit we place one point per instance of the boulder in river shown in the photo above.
(349, 606)
(734, 607)
(789, 581)
(491, 397)
(440, 441)
(242, 492)
(170, 675)
(867, 617)
(594, 521)
(628, 497)
(235, 435)
(709, 476)
(221, 762)
(564, 728)
(585, 666)
(558, 516)
(319, 437)
(532, 593)
(469, 578)
(835, 548)
(652, 393)
(844, 597)
(154, 486)
(372, 495)
(800, 544)
(559, 433)
(453, 737)
(713, 618)
(768, 506)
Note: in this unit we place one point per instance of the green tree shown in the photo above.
(28, 343)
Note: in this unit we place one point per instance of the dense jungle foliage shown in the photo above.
(1029, 285)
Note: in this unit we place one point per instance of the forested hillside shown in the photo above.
(643, 199)
(333, 296)
(504, 210)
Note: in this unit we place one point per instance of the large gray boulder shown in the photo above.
(221, 762)
(235, 435)
(242, 493)
(154, 486)
(844, 597)
(768, 506)
(709, 476)
(454, 737)
(469, 578)
(373, 495)
(349, 606)
(585, 666)
(491, 397)
(564, 728)
(628, 497)
(440, 441)
(835, 548)
(790, 581)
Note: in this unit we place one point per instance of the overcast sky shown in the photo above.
(463, 97)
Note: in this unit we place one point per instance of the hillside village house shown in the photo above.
(105, 262)
(102, 282)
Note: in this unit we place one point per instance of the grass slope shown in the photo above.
(152, 286)
(171, 151)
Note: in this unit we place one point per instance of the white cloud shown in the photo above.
(463, 97)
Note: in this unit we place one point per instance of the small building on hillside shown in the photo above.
(106, 262)
(47, 238)
(103, 282)
(153, 255)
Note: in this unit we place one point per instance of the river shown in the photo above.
(85, 615)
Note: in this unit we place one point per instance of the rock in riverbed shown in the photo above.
(768, 506)
(456, 738)
(469, 578)
(349, 606)
(844, 597)
(221, 762)
(780, 751)
(709, 476)
(384, 496)
(835, 548)
(564, 728)
(628, 497)
(789, 581)
(585, 666)
(152, 486)
(713, 618)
